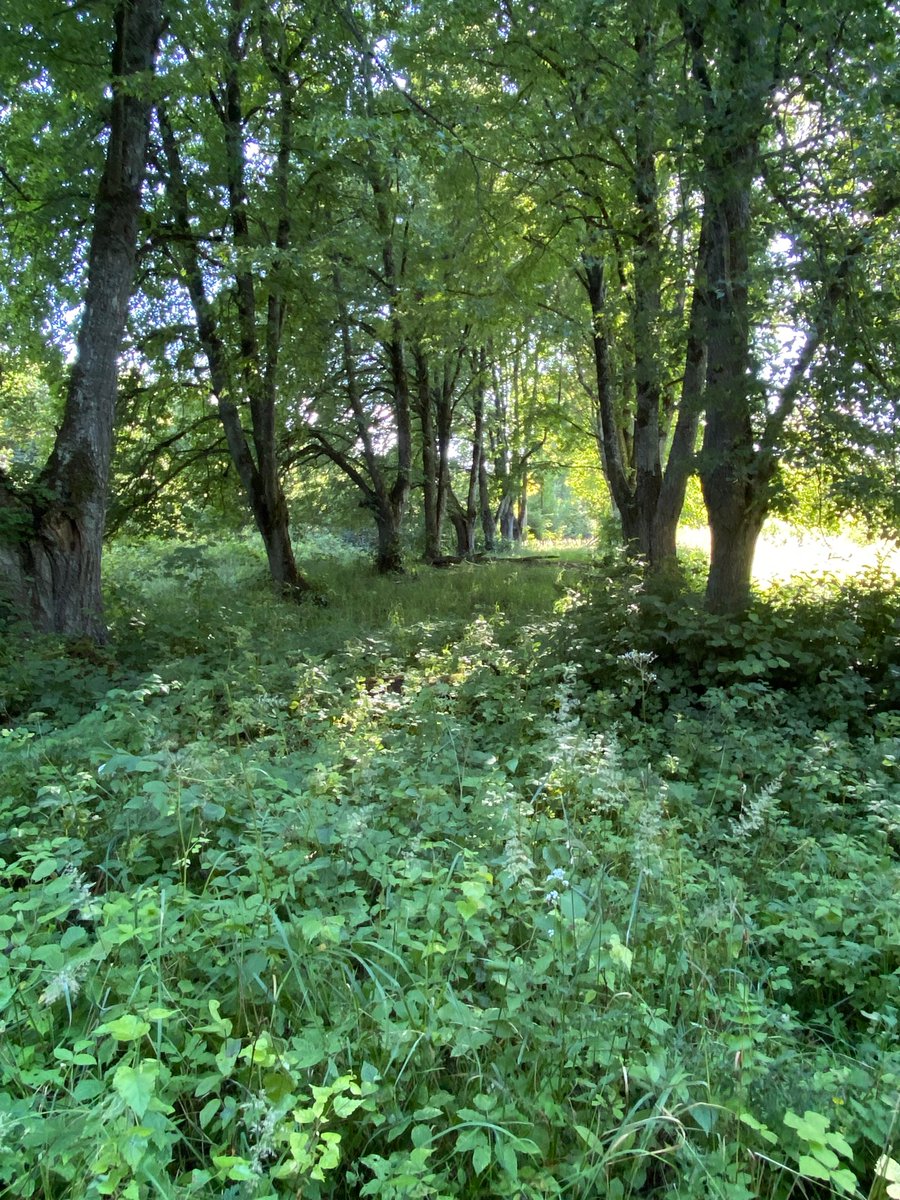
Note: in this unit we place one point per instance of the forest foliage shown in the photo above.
(324, 874)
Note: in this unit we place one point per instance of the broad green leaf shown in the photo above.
(127, 1028)
(481, 1156)
(136, 1085)
(208, 1111)
(812, 1168)
(812, 1126)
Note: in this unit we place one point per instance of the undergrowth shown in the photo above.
(478, 883)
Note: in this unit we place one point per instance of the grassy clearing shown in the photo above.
(486, 882)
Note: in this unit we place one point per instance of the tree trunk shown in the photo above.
(680, 463)
(506, 518)
(463, 531)
(647, 460)
(463, 521)
(735, 111)
(729, 489)
(521, 524)
(430, 464)
(389, 555)
(488, 526)
(481, 499)
(734, 538)
(52, 561)
(256, 465)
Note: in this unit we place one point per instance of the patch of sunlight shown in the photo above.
(783, 551)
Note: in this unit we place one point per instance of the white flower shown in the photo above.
(66, 982)
(640, 660)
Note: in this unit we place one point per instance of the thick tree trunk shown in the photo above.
(734, 537)
(479, 486)
(735, 488)
(488, 525)
(258, 368)
(52, 562)
(680, 463)
(646, 445)
(389, 554)
(521, 525)
(464, 531)
(506, 518)
(735, 503)
(463, 521)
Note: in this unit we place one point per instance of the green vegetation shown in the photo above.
(505, 874)
(508, 880)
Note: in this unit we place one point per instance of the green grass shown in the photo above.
(449, 888)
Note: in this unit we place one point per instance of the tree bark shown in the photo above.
(389, 555)
(430, 464)
(734, 115)
(52, 560)
(680, 461)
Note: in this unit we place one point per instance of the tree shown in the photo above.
(241, 306)
(773, 88)
(51, 534)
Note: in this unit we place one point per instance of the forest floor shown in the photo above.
(474, 883)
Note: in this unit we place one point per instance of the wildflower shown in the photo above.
(85, 902)
(552, 898)
(756, 811)
(66, 982)
(517, 862)
(640, 660)
(648, 834)
(262, 1121)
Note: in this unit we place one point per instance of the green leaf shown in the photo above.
(589, 1138)
(764, 1132)
(208, 1111)
(826, 1157)
(481, 1157)
(847, 1181)
(839, 1143)
(232, 1166)
(812, 1168)
(127, 1028)
(136, 1085)
(812, 1126)
(506, 1157)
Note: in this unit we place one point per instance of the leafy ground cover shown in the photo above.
(497, 881)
